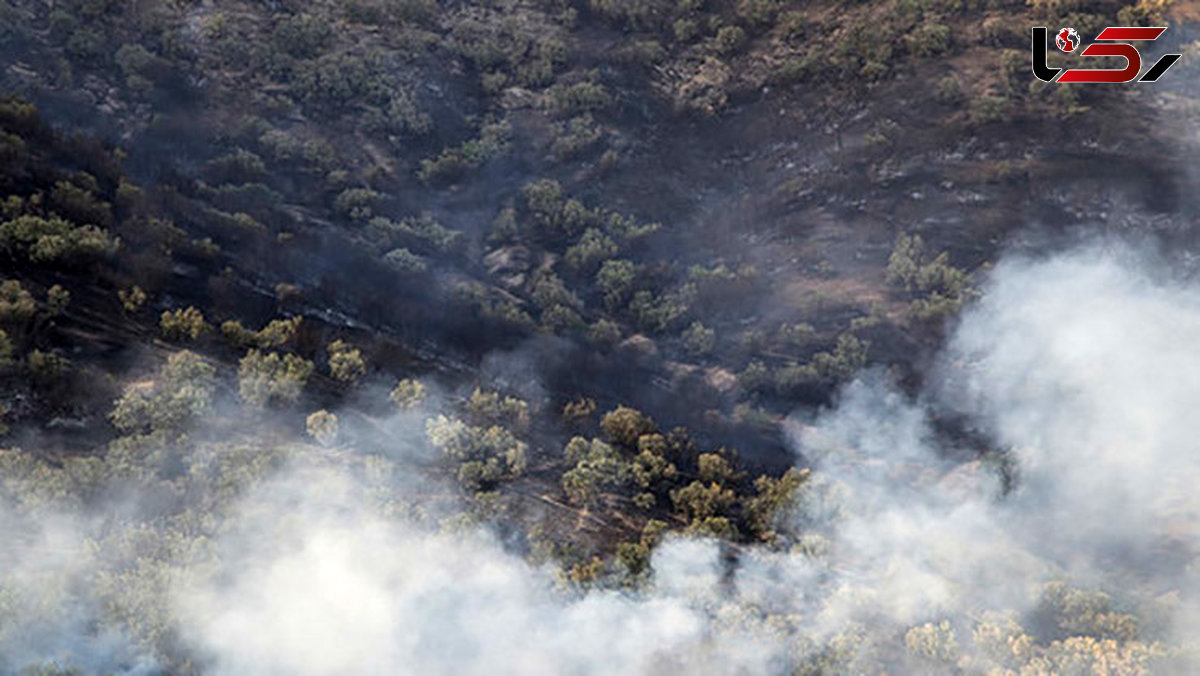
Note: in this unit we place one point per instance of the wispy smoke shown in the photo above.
(1082, 371)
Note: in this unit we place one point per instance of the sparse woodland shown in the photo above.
(558, 272)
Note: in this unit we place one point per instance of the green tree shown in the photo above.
(345, 362)
(6, 350)
(408, 393)
(699, 340)
(180, 393)
(322, 426)
(132, 299)
(16, 304)
(772, 500)
(615, 280)
(57, 300)
(698, 501)
(181, 325)
(593, 246)
(623, 426)
(485, 454)
(264, 377)
(596, 468)
(490, 408)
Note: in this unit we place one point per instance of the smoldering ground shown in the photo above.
(898, 558)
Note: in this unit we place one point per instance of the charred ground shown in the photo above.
(711, 213)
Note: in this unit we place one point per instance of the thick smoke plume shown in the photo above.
(1082, 372)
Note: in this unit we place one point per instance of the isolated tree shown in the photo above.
(345, 362)
(322, 426)
(579, 409)
(238, 335)
(407, 393)
(182, 325)
(278, 332)
(264, 377)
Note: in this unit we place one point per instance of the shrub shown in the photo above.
(729, 39)
(302, 36)
(239, 336)
(636, 14)
(47, 366)
(57, 300)
(755, 377)
(132, 299)
(6, 349)
(605, 332)
(929, 39)
(278, 332)
(185, 324)
(757, 12)
(848, 357)
(797, 335)
(580, 97)
(948, 91)
(452, 163)
(579, 409)
(405, 261)
(594, 246)
(773, 498)
(53, 239)
(699, 340)
(657, 313)
(80, 205)
(909, 268)
(240, 166)
(356, 203)
(575, 137)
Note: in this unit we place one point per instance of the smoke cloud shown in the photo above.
(1080, 368)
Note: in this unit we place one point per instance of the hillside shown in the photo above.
(585, 277)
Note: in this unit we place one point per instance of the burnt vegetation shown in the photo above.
(310, 219)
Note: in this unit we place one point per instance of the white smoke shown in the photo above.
(332, 588)
(1084, 367)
